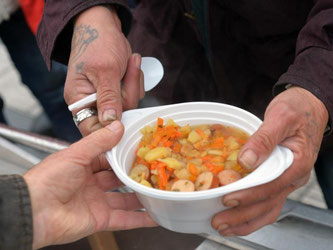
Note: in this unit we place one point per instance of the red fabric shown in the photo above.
(33, 11)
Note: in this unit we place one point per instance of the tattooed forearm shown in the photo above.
(79, 68)
(83, 36)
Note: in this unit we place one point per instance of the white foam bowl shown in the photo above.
(190, 212)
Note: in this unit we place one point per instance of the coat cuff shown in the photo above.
(55, 31)
(15, 213)
(311, 71)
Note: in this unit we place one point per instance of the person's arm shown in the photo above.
(100, 58)
(70, 194)
(15, 213)
(313, 68)
(55, 30)
(296, 118)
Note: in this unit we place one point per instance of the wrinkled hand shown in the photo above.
(100, 58)
(295, 119)
(68, 193)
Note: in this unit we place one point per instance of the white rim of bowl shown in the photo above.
(195, 195)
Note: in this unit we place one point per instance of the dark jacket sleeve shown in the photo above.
(55, 29)
(313, 65)
(15, 214)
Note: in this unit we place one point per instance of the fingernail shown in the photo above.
(222, 227)
(231, 203)
(137, 59)
(109, 115)
(248, 159)
(115, 126)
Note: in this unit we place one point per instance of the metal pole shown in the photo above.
(43, 143)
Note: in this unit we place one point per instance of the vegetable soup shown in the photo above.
(190, 158)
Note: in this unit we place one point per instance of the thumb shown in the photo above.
(109, 103)
(261, 144)
(97, 142)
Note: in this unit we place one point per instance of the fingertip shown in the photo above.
(115, 127)
(137, 60)
(231, 203)
(248, 159)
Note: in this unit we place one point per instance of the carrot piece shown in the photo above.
(177, 147)
(153, 165)
(214, 168)
(159, 123)
(206, 158)
(163, 176)
(210, 166)
(218, 169)
(168, 144)
(217, 143)
(200, 132)
(178, 134)
(192, 178)
(139, 160)
(169, 169)
(193, 169)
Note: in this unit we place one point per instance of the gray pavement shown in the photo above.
(24, 112)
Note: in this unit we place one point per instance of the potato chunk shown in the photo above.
(142, 151)
(156, 153)
(172, 163)
(182, 173)
(193, 137)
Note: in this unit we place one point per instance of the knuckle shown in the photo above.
(109, 95)
(300, 182)
(68, 93)
(284, 111)
(100, 70)
(264, 141)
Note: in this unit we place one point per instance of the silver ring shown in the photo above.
(84, 114)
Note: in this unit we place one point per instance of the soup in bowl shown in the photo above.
(190, 212)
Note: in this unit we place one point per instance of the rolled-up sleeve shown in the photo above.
(56, 27)
(313, 65)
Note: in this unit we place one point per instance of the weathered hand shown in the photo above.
(295, 119)
(69, 197)
(100, 58)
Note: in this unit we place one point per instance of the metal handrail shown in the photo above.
(43, 143)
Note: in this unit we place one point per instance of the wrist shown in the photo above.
(100, 15)
(320, 109)
(38, 228)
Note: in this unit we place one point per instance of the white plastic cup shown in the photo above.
(190, 212)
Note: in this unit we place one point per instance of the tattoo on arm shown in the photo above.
(79, 68)
(83, 36)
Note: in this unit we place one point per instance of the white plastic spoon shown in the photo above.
(152, 70)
